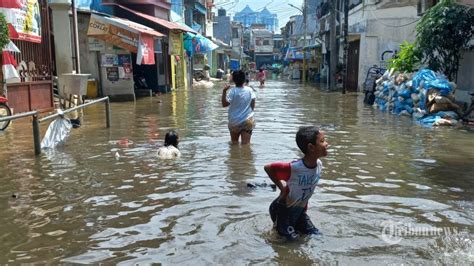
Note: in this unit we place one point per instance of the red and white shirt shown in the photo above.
(301, 181)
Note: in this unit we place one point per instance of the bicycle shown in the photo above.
(369, 85)
(4, 111)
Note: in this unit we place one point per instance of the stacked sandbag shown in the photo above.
(425, 95)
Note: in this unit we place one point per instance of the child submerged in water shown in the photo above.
(297, 181)
(170, 150)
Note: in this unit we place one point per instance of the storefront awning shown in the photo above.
(313, 46)
(296, 53)
(125, 34)
(164, 23)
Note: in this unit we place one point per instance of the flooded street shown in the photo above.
(106, 198)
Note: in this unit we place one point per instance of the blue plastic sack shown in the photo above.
(423, 75)
(441, 84)
(405, 94)
(429, 120)
(451, 114)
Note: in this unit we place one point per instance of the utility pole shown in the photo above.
(75, 35)
(346, 44)
(333, 47)
(305, 15)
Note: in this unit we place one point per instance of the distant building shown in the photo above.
(261, 46)
(237, 37)
(278, 46)
(222, 27)
(248, 17)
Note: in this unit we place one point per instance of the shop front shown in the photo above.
(173, 66)
(29, 83)
(127, 46)
(178, 61)
(294, 57)
(314, 62)
(199, 49)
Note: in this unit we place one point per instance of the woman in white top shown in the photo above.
(241, 100)
(170, 150)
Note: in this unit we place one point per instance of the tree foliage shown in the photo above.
(442, 34)
(4, 39)
(408, 59)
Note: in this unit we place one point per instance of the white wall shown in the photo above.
(380, 30)
(465, 78)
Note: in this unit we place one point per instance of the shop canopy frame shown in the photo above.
(120, 32)
(161, 22)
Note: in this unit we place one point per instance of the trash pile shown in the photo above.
(425, 95)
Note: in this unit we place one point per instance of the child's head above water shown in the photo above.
(172, 138)
(305, 136)
(238, 77)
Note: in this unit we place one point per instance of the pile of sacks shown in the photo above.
(425, 95)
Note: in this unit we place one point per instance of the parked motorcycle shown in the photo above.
(140, 82)
(200, 74)
(4, 111)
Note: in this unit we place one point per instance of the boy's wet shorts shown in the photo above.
(247, 126)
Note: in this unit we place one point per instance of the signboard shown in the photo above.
(124, 59)
(26, 21)
(96, 44)
(109, 60)
(100, 28)
(97, 27)
(175, 43)
(112, 73)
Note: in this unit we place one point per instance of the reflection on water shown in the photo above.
(106, 198)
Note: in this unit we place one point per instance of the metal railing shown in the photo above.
(37, 120)
(18, 116)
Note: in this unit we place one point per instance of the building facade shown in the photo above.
(222, 27)
(248, 17)
(261, 46)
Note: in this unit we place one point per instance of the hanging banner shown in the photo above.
(25, 21)
(145, 53)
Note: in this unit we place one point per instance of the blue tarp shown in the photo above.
(296, 53)
(95, 5)
(197, 44)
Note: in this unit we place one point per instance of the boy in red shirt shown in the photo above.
(297, 181)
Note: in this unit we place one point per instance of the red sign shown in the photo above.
(24, 19)
(146, 54)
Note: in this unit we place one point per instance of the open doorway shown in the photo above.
(353, 65)
(145, 77)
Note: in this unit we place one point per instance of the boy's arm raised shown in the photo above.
(224, 101)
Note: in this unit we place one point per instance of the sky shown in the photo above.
(279, 7)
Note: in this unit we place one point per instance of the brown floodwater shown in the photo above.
(391, 191)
